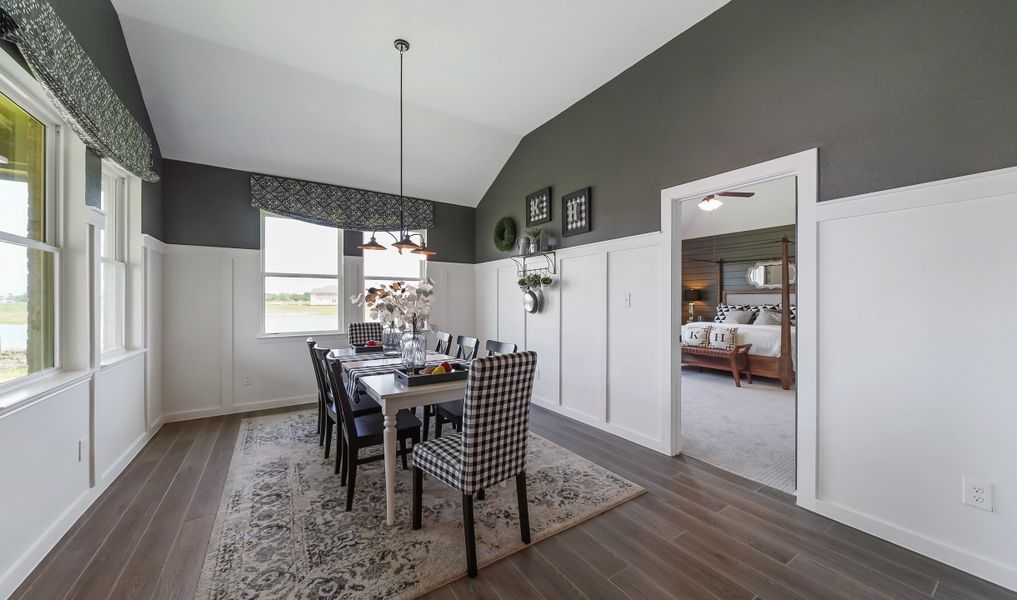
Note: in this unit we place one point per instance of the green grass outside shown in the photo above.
(276, 309)
(13, 364)
(14, 313)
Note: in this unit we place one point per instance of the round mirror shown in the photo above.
(531, 301)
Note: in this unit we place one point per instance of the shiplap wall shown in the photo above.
(739, 251)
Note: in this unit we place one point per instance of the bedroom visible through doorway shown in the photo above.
(738, 331)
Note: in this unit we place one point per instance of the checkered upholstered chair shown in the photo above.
(490, 448)
(452, 412)
(361, 333)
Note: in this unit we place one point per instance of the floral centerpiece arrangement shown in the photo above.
(404, 309)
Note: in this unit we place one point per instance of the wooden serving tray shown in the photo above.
(459, 373)
(364, 349)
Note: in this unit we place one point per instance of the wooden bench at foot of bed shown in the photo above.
(734, 361)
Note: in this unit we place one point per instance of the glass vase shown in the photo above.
(391, 340)
(414, 352)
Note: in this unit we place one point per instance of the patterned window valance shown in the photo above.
(338, 206)
(78, 90)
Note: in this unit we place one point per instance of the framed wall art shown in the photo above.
(538, 207)
(575, 212)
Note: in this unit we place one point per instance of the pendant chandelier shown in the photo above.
(404, 241)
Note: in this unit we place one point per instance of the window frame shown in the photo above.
(116, 223)
(29, 96)
(340, 280)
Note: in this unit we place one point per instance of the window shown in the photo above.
(28, 260)
(113, 275)
(302, 286)
(388, 265)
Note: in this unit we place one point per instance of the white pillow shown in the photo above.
(739, 317)
(723, 337)
(768, 317)
(696, 336)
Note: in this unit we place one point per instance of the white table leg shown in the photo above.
(390, 464)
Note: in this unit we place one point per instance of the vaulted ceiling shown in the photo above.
(309, 88)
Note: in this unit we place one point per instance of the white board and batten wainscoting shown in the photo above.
(215, 360)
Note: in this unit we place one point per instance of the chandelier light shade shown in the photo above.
(404, 241)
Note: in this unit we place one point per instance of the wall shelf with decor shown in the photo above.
(549, 264)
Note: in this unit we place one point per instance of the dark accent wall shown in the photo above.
(211, 206)
(96, 26)
(736, 253)
(892, 94)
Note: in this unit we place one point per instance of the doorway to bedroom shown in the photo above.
(738, 330)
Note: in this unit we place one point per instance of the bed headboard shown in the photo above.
(756, 297)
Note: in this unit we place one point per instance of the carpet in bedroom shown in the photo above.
(749, 431)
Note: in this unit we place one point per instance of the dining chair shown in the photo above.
(357, 433)
(452, 411)
(320, 381)
(467, 347)
(490, 448)
(361, 333)
(444, 342)
(365, 405)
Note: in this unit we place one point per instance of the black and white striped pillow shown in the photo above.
(723, 309)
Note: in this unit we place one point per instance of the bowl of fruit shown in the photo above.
(444, 371)
(369, 346)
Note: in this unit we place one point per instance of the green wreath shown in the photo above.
(505, 234)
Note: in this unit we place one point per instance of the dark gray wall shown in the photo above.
(892, 94)
(93, 179)
(96, 26)
(211, 206)
(736, 253)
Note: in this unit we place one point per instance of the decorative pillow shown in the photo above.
(768, 317)
(696, 336)
(739, 317)
(723, 309)
(723, 337)
(794, 314)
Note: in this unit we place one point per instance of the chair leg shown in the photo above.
(427, 420)
(352, 483)
(402, 450)
(345, 467)
(480, 494)
(438, 422)
(321, 423)
(340, 451)
(471, 536)
(524, 510)
(418, 495)
(328, 437)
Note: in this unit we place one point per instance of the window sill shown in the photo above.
(118, 357)
(271, 338)
(24, 395)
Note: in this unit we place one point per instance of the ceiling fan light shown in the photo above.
(371, 245)
(710, 204)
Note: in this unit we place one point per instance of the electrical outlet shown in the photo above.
(245, 380)
(627, 301)
(977, 493)
(536, 374)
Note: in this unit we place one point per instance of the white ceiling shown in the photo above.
(311, 90)
(773, 205)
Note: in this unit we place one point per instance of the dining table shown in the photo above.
(375, 374)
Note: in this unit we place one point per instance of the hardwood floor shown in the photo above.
(698, 533)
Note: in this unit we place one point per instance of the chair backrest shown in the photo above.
(495, 347)
(444, 342)
(343, 407)
(320, 357)
(319, 374)
(361, 333)
(496, 419)
(467, 347)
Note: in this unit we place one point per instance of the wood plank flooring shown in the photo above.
(699, 533)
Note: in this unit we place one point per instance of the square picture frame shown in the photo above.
(538, 207)
(575, 212)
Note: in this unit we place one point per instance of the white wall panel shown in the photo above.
(583, 288)
(511, 319)
(543, 336)
(153, 335)
(487, 303)
(911, 397)
(119, 415)
(633, 318)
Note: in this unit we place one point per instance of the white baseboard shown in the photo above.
(201, 413)
(621, 432)
(49, 538)
(965, 561)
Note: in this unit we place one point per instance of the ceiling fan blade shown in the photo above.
(737, 194)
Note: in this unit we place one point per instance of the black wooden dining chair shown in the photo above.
(365, 405)
(357, 433)
(467, 347)
(444, 342)
(491, 446)
(319, 378)
(361, 333)
(452, 412)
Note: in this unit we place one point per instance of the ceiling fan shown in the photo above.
(712, 202)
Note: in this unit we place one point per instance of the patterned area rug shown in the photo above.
(282, 532)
